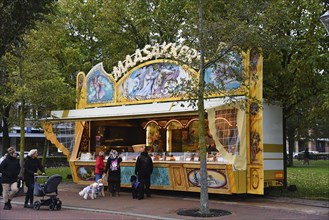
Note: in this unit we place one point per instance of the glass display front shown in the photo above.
(172, 156)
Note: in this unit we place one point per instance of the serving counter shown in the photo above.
(177, 173)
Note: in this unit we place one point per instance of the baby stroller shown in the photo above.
(48, 189)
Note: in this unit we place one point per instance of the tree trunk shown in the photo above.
(22, 136)
(22, 146)
(291, 143)
(5, 130)
(285, 177)
(204, 200)
(44, 154)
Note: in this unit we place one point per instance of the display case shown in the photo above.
(215, 157)
(172, 171)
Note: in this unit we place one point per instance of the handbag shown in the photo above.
(104, 178)
(38, 189)
(19, 183)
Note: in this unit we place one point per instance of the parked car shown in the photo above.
(25, 153)
(300, 155)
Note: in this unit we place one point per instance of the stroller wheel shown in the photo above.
(51, 206)
(59, 205)
(36, 205)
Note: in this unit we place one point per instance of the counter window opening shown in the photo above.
(162, 136)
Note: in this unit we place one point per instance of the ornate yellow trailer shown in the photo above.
(134, 107)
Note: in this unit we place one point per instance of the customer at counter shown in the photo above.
(99, 169)
(144, 169)
(114, 176)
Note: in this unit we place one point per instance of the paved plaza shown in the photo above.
(165, 206)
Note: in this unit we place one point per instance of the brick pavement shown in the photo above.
(162, 206)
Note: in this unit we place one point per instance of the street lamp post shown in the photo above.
(325, 20)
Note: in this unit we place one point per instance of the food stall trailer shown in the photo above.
(134, 107)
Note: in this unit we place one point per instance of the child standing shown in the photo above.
(113, 169)
(99, 166)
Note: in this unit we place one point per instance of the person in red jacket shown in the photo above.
(99, 169)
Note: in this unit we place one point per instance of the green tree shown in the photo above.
(296, 65)
(124, 26)
(16, 18)
(36, 86)
(6, 102)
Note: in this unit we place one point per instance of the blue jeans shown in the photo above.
(98, 176)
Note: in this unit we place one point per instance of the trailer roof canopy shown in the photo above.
(135, 111)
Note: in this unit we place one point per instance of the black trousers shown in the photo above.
(1, 186)
(114, 187)
(145, 186)
(29, 193)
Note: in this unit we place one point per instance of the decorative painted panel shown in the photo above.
(159, 177)
(86, 173)
(100, 87)
(227, 129)
(227, 73)
(216, 178)
(255, 146)
(153, 80)
(126, 173)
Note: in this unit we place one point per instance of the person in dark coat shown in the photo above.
(31, 166)
(211, 148)
(10, 169)
(144, 169)
(2, 159)
(114, 172)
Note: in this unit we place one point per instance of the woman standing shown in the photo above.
(10, 169)
(31, 166)
(114, 176)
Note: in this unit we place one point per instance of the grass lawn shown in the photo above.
(63, 171)
(312, 181)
